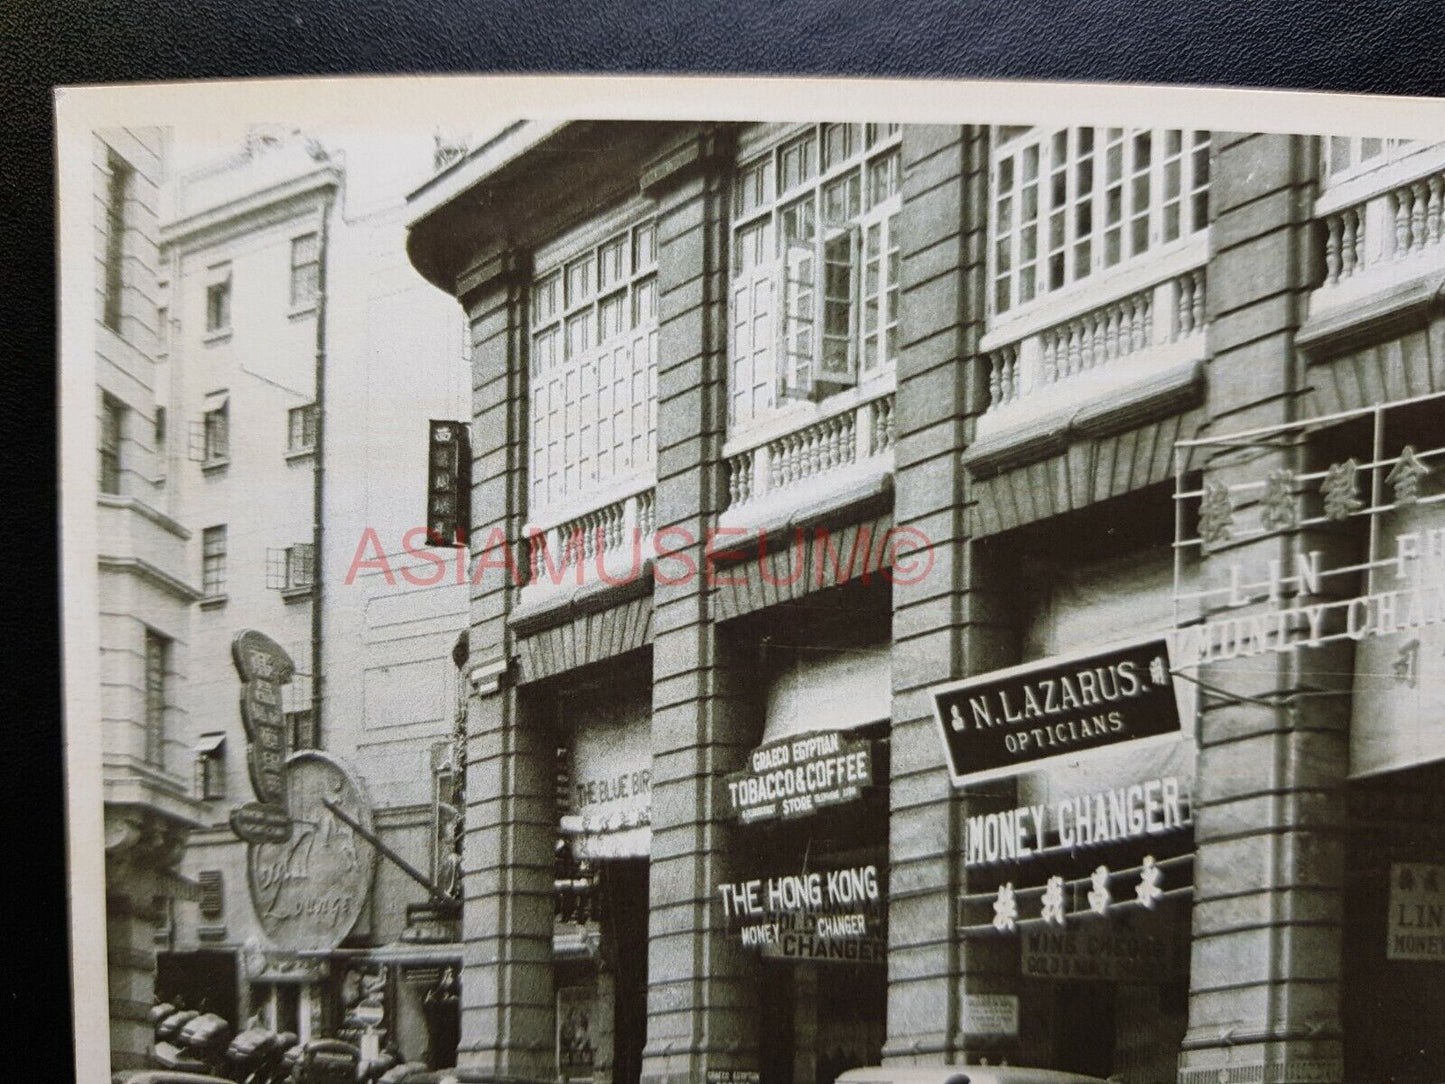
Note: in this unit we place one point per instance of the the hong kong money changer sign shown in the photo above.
(307, 868)
(1015, 719)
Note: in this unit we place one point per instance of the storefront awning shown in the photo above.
(210, 745)
(827, 688)
(610, 778)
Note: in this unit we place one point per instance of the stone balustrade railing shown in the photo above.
(594, 538)
(1166, 313)
(1394, 225)
(821, 447)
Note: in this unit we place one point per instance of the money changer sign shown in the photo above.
(822, 915)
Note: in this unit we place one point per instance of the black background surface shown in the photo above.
(1378, 47)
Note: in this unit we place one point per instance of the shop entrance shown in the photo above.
(1084, 1028)
(624, 921)
(205, 981)
(1392, 997)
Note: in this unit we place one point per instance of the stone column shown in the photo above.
(1268, 807)
(948, 624)
(507, 1002)
(140, 846)
(701, 1002)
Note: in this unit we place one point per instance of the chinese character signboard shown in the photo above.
(264, 666)
(1387, 599)
(449, 484)
(1416, 924)
(796, 776)
(1021, 717)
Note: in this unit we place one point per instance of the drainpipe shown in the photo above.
(318, 473)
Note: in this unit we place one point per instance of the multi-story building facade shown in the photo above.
(307, 360)
(982, 584)
(146, 585)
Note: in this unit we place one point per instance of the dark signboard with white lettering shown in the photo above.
(796, 776)
(1010, 720)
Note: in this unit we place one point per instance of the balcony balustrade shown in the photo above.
(856, 430)
(608, 539)
(1147, 322)
(1393, 226)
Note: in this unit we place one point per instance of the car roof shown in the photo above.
(958, 1074)
(165, 1076)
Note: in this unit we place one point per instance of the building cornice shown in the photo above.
(244, 213)
(135, 504)
(147, 571)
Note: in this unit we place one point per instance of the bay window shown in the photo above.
(1072, 203)
(594, 365)
(815, 266)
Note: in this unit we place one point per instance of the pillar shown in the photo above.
(507, 1001)
(701, 1001)
(949, 624)
(1268, 807)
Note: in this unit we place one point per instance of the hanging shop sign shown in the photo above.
(1026, 716)
(610, 777)
(258, 822)
(990, 1014)
(821, 915)
(1416, 927)
(798, 776)
(309, 890)
(263, 666)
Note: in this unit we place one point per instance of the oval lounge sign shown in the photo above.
(308, 891)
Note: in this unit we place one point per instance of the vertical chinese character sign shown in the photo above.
(264, 666)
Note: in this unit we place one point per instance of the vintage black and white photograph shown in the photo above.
(753, 582)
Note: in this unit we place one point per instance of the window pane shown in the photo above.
(155, 698)
(797, 162)
(543, 300)
(840, 199)
(838, 143)
(1031, 162)
(797, 221)
(644, 302)
(544, 351)
(611, 316)
(644, 246)
(611, 262)
(753, 189)
(884, 176)
(579, 334)
(579, 281)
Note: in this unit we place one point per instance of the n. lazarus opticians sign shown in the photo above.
(1010, 720)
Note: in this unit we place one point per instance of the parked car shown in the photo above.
(962, 1074)
(164, 1076)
